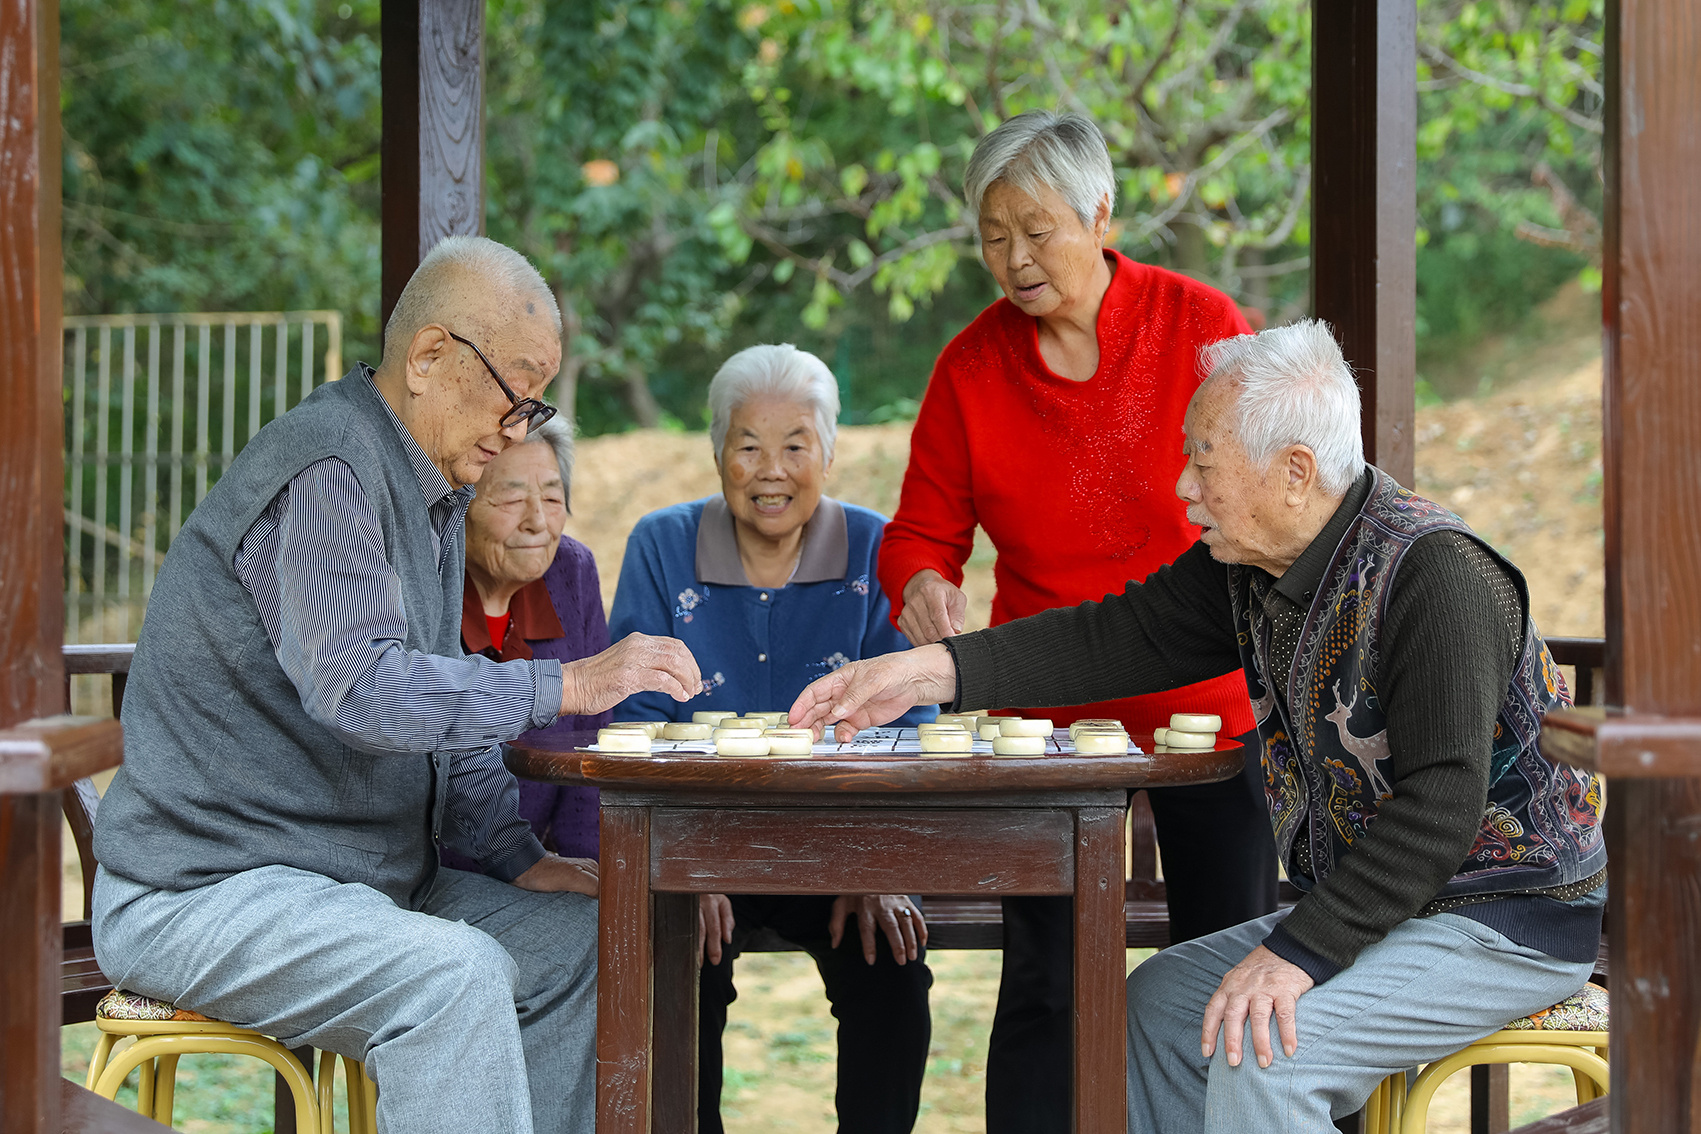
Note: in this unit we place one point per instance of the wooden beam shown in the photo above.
(432, 74)
(31, 539)
(1651, 304)
(1364, 208)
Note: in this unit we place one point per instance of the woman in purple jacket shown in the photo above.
(532, 592)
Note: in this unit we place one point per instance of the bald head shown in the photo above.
(475, 330)
(471, 285)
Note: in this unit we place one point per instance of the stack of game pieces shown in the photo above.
(945, 738)
(1019, 736)
(1099, 737)
(1189, 732)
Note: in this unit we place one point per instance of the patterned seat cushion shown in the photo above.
(1583, 1011)
(121, 1005)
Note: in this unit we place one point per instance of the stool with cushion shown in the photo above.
(164, 1032)
(1572, 1033)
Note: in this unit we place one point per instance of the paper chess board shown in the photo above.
(871, 742)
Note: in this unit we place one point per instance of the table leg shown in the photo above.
(1101, 996)
(623, 973)
(674, 1076)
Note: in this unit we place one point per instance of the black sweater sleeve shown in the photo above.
(1449, 645)
(1172, 630)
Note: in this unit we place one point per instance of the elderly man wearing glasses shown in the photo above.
(302, 723)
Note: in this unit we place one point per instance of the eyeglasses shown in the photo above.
(529, 410)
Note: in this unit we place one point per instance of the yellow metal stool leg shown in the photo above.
(98, 1060)
(145, 1088)
(165, 1088)
(327, 1095)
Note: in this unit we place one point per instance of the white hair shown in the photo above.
(497, 268)
(558, 435)
(1295, 389)
(1065, 152)
(775, 370)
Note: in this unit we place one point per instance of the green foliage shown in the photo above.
(696, 175)
(221, 155)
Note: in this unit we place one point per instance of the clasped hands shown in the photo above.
(894, 914)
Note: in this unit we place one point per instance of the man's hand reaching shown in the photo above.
(638, 663)
(876, 690)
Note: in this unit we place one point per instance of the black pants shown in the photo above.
(884, 1026)
(1219, 862)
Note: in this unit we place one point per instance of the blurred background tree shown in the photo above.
(696, 175)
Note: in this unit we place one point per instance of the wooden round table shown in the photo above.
(675, 826)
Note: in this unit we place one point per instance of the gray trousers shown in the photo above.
(477, 1013)
(1431, 987)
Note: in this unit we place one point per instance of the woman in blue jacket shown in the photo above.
(772, 585)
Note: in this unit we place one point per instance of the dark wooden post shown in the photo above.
(31, 538)
(1649, 747)
(1652, 309)
(1364, 207)
(433, 143)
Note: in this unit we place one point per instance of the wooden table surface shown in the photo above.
(676, 825)
(563, 759)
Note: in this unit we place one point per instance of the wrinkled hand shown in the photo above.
(714, 926)
(554, 874)
(638, 663)
(1251, 991)
(933, 608)
(906, 932)
(876, 690)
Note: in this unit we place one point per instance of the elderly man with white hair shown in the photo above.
(772, 584)
(301, 723)
(1454, 879)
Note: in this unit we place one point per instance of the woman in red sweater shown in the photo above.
(1054, 422)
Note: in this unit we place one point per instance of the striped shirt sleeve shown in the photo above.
(332, 606)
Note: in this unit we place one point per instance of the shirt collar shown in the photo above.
(825, 555)
(532, 618)
(432, 483)
(1299, 583)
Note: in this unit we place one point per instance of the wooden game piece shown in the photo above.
(989, 728)
(1196, 722)
(1101, 743)
(774, 718)
(1158, 735)
(757, 745)
(1019, 746)
(1176, 738)
(623, 740)
(1095, 723)
(1018, 726)
(687, 730)
(791, 742)
(711, 716)
(724, 732)
(653, 728)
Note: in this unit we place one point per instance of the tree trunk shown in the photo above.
(1190, 250)
(644, 406)
(567, 382)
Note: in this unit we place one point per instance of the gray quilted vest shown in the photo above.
(224, 771)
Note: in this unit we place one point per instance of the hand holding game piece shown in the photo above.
(638, 663)
(933, 608)
(876, 690)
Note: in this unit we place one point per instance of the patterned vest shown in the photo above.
(1325, 752)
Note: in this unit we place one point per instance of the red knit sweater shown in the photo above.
(1074, 481)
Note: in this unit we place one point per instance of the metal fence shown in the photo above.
(156, 407)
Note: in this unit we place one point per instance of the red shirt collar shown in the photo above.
(532, 619)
